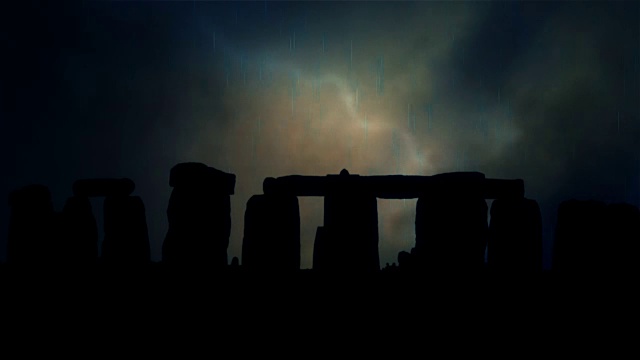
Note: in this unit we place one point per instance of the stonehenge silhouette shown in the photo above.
(452, 231)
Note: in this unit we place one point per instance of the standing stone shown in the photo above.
(271, 233)
(79, 232)
(620, 249)
(351, 232)
(192, 174)
(126, 237)
(199, 215)
(31, 226)
(319, 250)
(580, 232)
(451, 233)
(515, 237)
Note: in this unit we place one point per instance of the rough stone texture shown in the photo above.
(271, 233)
(515, 236)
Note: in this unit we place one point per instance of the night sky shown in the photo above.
(544, 91)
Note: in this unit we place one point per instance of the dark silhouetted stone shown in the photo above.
(515, 236)
(199, 215)
(235, 262)
(398, 186)
(295, 185)
(405, 187)
(271, 233)
(32, 226)
(199, 175)
(350, 238)
(103, 187)
(451, 233)
(619, 249)
(199, 227)
(580, 234)
(78, 232)
(405, 260)
(319, 250)
(126, 238)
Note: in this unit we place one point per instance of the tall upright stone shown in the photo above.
(199, 214)
(31, 226)
(271, 233)
(515, 237)
(350, 226)
(319, 251)
(579, 235)
(78, 239)
(620, 249)
(452, 227)
(125, 241)
(451, 221)
(126, 237)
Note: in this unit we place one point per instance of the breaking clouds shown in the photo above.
(542, 91)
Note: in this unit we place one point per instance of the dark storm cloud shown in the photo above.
(526, 90)
(567, 87)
